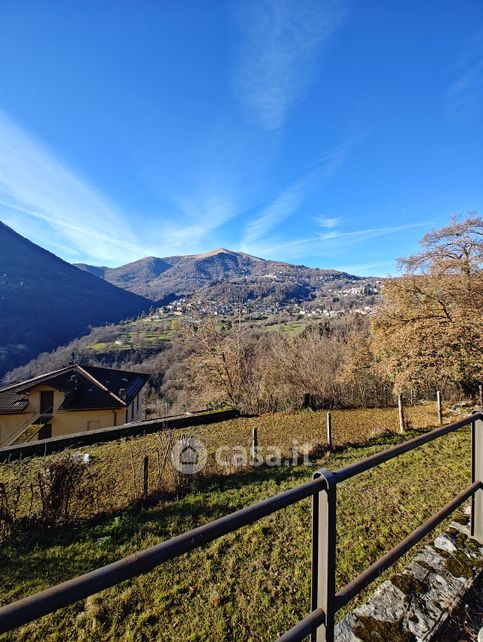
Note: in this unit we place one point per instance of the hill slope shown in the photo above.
(138, 276)
(45, 302)
(219, 273)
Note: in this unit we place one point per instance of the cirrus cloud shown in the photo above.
(36, 186)
(281, 40)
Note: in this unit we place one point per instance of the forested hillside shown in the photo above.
(222, 275)
(46, 302)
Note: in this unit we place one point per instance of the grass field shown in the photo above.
(250, 585)
(145, 332)
(289, 327)
(118, 465)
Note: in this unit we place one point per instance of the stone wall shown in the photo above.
(414, 605)
(133, 429)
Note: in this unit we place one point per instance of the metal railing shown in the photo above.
(18, 430)
(325, 601)
(36, 419)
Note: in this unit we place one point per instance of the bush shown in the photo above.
(62, 487)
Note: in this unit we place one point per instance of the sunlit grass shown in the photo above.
(249, 585)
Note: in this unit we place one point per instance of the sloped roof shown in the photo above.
(12, 402)
(85, 387)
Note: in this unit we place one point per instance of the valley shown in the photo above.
(47, 303)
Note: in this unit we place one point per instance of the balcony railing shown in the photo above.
(325, 601)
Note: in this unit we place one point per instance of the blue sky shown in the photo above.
(328, 133)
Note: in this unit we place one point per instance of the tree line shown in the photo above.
(427, 334)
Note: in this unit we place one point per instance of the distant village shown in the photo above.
(356, 299)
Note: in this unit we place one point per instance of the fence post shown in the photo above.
(477, 475)
(402, 423)
(440, 408)
(480, 395)
(254, 444)
(145, 476)
(329, 430)
(323, 555)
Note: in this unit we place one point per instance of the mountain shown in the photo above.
(45, 302)
(220, 273)
(96, 270)
(136, 277)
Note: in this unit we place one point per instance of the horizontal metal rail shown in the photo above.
(379, 458)
(326, 567)
(56, 597)
(305, 627)
(353, 588)
(52, 599)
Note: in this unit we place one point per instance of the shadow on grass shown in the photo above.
(39, 558)
(35, 559)
(204, 498)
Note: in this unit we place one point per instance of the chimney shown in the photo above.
(122, 393)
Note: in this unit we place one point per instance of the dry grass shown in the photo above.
(249, 585)
(117, 468)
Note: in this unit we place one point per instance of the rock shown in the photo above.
(444, 543)
(413, 605)
(83, 458)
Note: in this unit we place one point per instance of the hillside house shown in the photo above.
(69, 400)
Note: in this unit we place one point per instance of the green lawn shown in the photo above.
(289, 327)
(117, 467)
(249, 585)
(140, 333)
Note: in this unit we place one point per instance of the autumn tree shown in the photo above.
(362, 380)
(222, 363)
(429, 328)
(304, 364)
(262, 371)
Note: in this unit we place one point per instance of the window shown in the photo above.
(45, 432)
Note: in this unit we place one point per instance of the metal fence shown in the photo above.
(325, 601)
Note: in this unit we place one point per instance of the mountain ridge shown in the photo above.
(46, 302)
(184, 275)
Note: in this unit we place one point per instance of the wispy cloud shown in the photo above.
(288, 202)
(370, 232)
(327, 221)
(47, 202)
(35, 185)
(280, 43)
(334, 240)
(192, 227)
(284, 205)
(464, 98)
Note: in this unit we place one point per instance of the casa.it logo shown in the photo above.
(189, 455)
